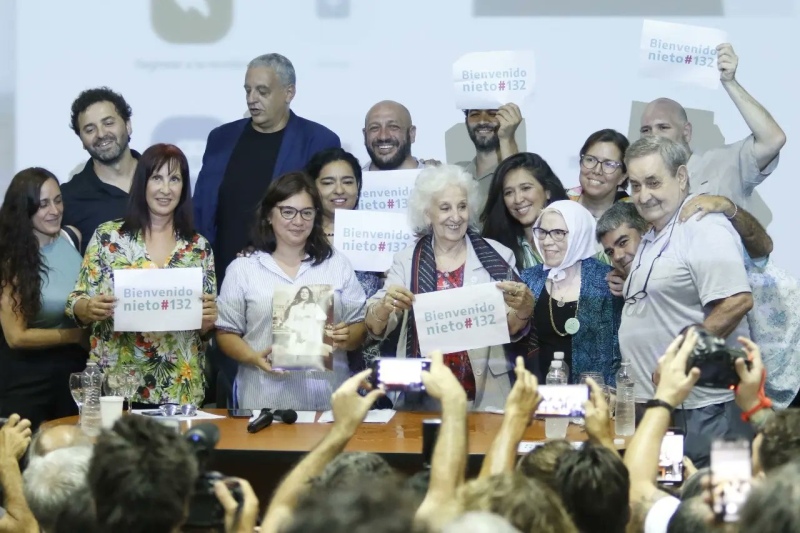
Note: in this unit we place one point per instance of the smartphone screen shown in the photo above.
(240, 413)
(670, 460)
(401, 374)
(730, 477)
(562, 400)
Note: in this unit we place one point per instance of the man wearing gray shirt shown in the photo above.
(683, 274)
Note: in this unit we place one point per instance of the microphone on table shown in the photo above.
(267, 416)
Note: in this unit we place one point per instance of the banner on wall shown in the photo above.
(369, 239)
(682, 53)
(487, 80)
(387, 190)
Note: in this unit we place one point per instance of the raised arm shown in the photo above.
(15, 437)
(509, 118)
(768, 136)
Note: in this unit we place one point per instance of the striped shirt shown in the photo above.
(245, 308)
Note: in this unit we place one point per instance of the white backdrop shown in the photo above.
(349, 54)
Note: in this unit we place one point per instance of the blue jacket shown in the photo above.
(595, 347)
(301, 139)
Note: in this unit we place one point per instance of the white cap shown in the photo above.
(556, 364)
(559, 355)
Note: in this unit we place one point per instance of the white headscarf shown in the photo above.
(580, 240)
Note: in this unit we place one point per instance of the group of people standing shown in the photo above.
(575, 267)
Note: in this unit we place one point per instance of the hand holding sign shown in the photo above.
(509, 117)
(727, 61)
(96, 309)
(518, 297)
(487, 80)
(209, 312)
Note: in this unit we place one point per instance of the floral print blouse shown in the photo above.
(171, 363)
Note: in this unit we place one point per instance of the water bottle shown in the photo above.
(556, 428)
(625, 420)
(559, 356)
(92, 381)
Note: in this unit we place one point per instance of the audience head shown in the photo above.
(666, 118)
(479, 522)
(482, 126)
(101, 119)
(602, 164)
(30, 217)
(373, 504)
(161, 190)
(564, 234)
(51, 481)
(288, 216)
(337, 175)
(692, 516)
(659, 178)
(56, 437)
(541, 462)
(620, 231)
(269, 86)
(79, 515)
(521, 187)
(594, 487)
(352, 468)
(774, 506)
(778, 442)
(527, 504)
(445, 202)
(141, 476)
(388, 134)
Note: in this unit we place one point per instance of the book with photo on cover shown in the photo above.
(300, 316)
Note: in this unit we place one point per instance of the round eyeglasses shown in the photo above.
(556, 234)
(290, 212)
(589, 162)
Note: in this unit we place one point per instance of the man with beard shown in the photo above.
(492, 132)
(388, 136)
(101, 119)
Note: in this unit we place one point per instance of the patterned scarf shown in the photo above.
(423, 279)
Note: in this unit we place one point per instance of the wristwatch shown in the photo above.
(655, 402)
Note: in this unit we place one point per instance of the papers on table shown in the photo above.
(376, 416)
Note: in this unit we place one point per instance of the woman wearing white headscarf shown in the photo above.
(575, 312)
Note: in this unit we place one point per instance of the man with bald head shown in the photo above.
(388, 136)
(57, 437)
(736, 169)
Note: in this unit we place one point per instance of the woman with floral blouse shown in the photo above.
(157, 232)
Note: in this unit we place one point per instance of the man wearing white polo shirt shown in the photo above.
(683, 274)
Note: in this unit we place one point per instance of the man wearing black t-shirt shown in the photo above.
(101, 119)
(243, 157)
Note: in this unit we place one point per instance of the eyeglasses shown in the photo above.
(642, 294)
(556, 234)
(290, 212)
(609, 167)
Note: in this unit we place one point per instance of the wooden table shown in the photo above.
(264, 458)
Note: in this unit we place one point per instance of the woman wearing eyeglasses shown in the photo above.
(603, 175)
(575, 312)
(290, 249)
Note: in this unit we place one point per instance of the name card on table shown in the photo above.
(461, 319)
(369, 239)
(387, 190)
(681, 53)
(487, 80)
(158, 299)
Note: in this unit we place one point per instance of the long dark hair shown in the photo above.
(21, 264)
(317, 246)
(138, 216)
(498, 224)
(331, 155)
(297, 300)
(609, 136)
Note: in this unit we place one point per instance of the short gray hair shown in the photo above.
(618, 214)
(50, 481)
(280, 64)
(673, 153)
(479, 522)
(430, 183)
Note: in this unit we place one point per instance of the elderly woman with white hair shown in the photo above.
(443, 210)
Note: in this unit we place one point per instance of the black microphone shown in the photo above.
(287, 416)
(263, 420)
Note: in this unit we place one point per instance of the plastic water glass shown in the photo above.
(110, 410)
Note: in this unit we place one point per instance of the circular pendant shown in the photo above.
(560, 303)
(572, 325)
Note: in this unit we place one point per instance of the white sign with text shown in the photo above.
(387, 190)
(158, 299)
(461, 319)
(487, 80)
(369, 239)
(679, 52)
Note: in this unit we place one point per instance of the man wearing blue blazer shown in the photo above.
(244, 156)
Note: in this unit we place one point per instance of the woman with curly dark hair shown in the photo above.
(39, 263)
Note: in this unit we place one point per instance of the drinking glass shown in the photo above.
(601, 382)
(131, 379)
(76, 388)
(112, 382)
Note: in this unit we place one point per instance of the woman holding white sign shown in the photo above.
(290, 249)
(575, 311)
(157, 232)
(522, 186)
(443, 209)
